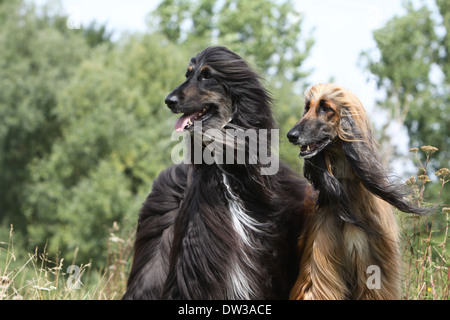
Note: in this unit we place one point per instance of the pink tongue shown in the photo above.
(183, 121)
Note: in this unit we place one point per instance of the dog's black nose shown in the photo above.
(293, 135)
(171, 101)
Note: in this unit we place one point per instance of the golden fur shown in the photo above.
(336, 253)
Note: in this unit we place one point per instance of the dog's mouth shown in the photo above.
(186, 121)
(309, 151)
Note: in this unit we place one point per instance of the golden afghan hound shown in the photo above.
(350, 249)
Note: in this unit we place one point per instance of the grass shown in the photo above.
(44, 278)
(424, 239)
(424, 248)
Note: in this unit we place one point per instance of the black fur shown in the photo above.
(368, 166)
(187, 246)
(332, 192)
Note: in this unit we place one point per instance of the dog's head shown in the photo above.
(331, 113)
(220, 88)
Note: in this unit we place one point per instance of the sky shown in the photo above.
(342, 29)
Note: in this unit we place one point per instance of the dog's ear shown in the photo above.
(361, 152)
(331, 191)
(348, 130)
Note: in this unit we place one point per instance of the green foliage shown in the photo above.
(96, 34)
(267, 33)
(424, 239)
(35, 63)
(412, 58)
(413, 72)
(114, 140)
(84, 128)
(42, 276)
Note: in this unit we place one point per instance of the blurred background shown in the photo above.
(83, 125)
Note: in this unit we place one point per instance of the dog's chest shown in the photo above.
(241, 284)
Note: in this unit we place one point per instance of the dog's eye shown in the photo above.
(206, 74)
(325, 107)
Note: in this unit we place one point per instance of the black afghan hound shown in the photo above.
(351, 247)
(220, 231)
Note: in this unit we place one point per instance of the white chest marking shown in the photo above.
(243, 224)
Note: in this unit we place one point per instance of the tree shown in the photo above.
(407, 72)
(84, 129)
(115, 139)
(413, 72)
(266, 33)
(36, 60)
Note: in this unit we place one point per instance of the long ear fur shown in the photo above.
(364, 160)
(332, 192)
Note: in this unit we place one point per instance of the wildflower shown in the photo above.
(411, 181)
(443, 172)
(4, 280)
(415, 190)
(114, 238)
(446, 210)
(413, 149)
(424, 177)
(4, 283)
(429, 149)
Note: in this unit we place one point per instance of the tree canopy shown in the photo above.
(413, 72)
(411, 65)
(84, 129)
